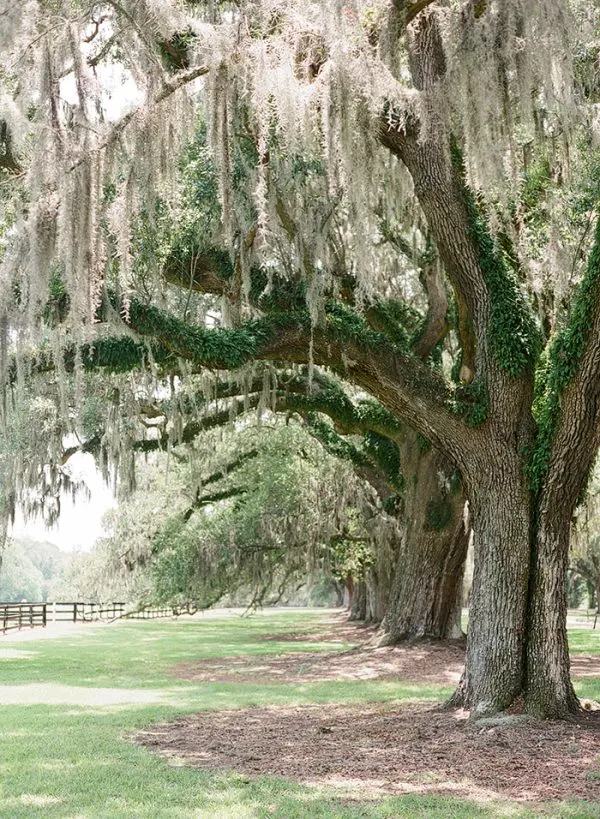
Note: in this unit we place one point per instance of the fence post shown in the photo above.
(74, 612)
(45, 615)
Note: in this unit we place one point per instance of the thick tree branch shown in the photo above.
(569, 435)
(405, 386)
(409, 9)
(436, 324)
(495, 326)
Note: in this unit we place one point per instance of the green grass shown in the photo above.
(73, 758)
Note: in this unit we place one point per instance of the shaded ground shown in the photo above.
(414, 663)
(342, 630)
(415, 749)
(372, 748)
(422, 662)
(427, 664)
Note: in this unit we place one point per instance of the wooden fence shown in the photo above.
(15, 616)
(80, 612)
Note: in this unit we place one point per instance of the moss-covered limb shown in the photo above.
(408, 389)
(212, 271)
(238, 462)
(114, 354)
(214, 497)
(386, 485)
(380, 430)
(386, 455)
(213, 348)
(513, 336)
(349, 418)
(397, 321)
(568, 399)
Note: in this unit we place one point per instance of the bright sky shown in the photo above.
(80, 523)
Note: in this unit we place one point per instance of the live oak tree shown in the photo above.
(421, 109)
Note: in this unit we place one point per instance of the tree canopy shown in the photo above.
(403, 194)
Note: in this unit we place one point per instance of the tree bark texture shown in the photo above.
(500, 505)
(426, 597)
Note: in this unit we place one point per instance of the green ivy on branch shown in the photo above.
(562, 363)
(513, 336)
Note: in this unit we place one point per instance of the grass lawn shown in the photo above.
(68, 704)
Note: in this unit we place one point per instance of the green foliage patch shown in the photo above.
(561, 365)
(513, 336)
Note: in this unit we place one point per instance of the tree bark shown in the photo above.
(351, 591)
(500, 503)
(359, 604)
(549, 692)
(426, 598)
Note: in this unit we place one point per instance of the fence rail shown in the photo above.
(16, 616)
(77, 612)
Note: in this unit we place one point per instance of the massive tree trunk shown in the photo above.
(548, 689)
(378, 592)
(359, 602)
(500, 504)
(426, 597)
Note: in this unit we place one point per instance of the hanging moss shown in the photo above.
(513, 336)
(119, 354)
(563, 358)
